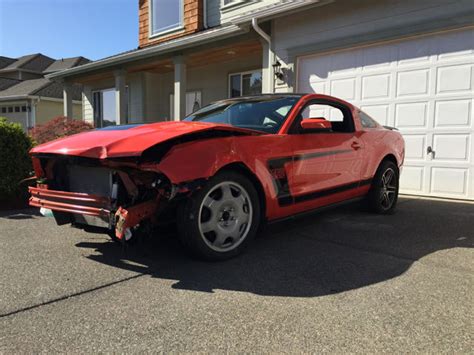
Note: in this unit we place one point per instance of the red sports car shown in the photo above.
(222, 172)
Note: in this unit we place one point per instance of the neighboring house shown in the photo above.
(407, 63)
(27, 97)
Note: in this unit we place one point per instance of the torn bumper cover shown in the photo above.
(123, 219)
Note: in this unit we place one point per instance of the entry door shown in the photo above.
(325, 160)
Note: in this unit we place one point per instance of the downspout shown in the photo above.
(269, 54)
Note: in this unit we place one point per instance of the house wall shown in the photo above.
(47, 110)
(337, 24)
(211, 81)
(217, 14)
(192, 21)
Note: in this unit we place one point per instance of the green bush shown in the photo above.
(15, 163)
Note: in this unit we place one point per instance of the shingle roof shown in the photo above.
(65, 63)
(4, 61)
(34, 62)
(24, 88)
(7, 82)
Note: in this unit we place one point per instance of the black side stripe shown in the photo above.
(327, 192)
(280, 180)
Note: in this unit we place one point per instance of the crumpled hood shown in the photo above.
(128, 141)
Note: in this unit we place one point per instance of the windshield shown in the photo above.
(265, 114)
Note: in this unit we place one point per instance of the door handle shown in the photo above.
(355, 145)
(430, 150)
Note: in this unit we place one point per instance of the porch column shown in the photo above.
(120, 96)
(267, 68)
(179, 87)
(67, 99)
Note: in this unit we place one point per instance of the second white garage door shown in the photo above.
(424, 87)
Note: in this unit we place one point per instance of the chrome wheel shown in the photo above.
(388, 189)
(225, 216)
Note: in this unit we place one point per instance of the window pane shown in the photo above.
(4, 110)
(109, 115)
(252, 83)
(17, 108)
(166, 15)
(235, 86)
(23, 108)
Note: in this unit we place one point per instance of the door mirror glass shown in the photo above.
(315, 124)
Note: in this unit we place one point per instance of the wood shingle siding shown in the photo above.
(192, 21)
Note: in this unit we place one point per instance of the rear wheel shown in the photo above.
(383, 194)
(221, 219)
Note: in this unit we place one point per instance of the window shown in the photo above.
(10, 109)
(231, 3)
(339, 115)
(367, 121)
(166, 15)
(103, 103)
(4, 110)
(23, 108)
(17, 108)
(243, 84)
(266, 113)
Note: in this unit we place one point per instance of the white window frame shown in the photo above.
(229, 89)
(180, 27)
(234, 4)
(127, 110)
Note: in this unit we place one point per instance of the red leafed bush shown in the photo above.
(58, 127)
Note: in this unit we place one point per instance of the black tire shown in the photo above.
(383, 194)
(194, 214)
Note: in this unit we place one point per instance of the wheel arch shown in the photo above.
(390, 157)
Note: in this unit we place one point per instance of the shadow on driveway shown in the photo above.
(321, 254)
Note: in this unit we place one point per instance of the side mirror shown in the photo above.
(315, 124)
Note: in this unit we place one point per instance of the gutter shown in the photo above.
(269, 57)
(152, 51)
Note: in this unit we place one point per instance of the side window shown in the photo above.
(339, 116)
(366, 121)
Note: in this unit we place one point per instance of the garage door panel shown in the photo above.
(375, 86)
(454, 79)
(415, 146)
(411, 115)
(449, 181)
(453, 113)
(343, 88)
(413, 82)
(451, 146)
(411, 179)
(424, 86)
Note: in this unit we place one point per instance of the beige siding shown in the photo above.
(47, 110)
(337, 21)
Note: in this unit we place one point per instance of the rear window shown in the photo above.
(367, 121)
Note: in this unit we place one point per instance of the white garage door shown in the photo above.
(424, 87)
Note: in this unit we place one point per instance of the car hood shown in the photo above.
(128, 141)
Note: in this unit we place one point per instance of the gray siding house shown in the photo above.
(407, 63)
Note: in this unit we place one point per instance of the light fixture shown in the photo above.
(277, 70)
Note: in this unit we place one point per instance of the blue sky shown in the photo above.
(68, 28)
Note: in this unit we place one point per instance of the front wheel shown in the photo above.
(221, 219)
(383, 194)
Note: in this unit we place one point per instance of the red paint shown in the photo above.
(311, 162)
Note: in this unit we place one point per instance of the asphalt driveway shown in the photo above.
(344, 280)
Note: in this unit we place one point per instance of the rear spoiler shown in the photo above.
(391, 128)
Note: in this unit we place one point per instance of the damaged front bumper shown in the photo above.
(84, 208)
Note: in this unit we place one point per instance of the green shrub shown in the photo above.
(15, 163)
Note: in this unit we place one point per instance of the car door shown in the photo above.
(325, 163)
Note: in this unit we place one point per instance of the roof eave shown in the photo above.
(160, 49)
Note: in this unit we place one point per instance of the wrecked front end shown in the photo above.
(116, 196)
